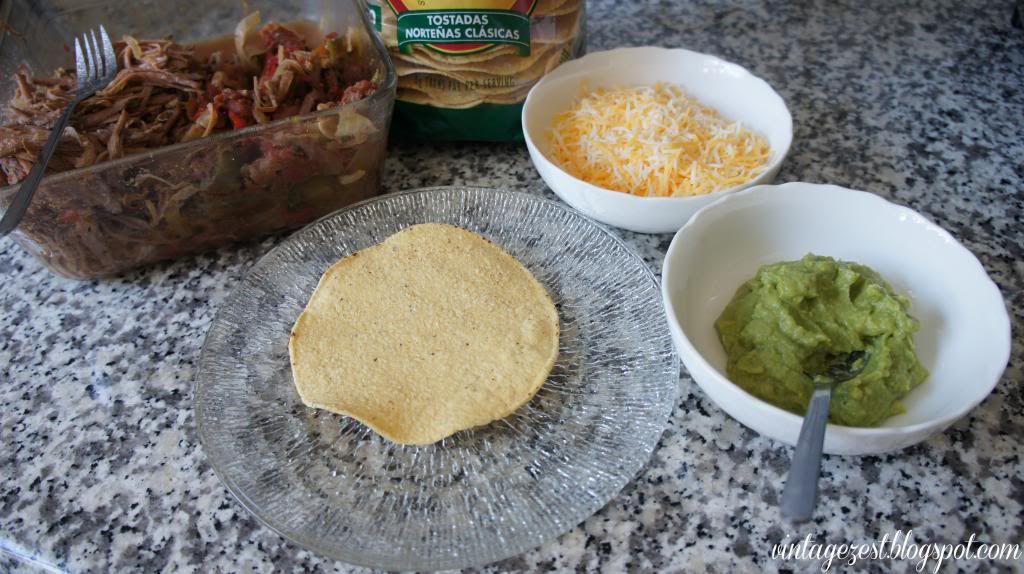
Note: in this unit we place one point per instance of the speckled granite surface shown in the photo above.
(920, 102)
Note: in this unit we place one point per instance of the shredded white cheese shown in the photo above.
(654, 141)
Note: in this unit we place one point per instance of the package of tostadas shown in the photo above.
(465, 66)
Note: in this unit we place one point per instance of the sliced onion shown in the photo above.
(352, 177)
(346, 126)
(243, 31)
(133, 45)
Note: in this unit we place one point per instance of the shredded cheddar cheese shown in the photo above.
(654, 141)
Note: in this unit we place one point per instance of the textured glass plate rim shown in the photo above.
(457, 562)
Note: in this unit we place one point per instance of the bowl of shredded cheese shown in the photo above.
(642, 138)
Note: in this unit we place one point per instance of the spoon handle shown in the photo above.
(801, 491)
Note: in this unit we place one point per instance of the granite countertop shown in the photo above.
(920, 102)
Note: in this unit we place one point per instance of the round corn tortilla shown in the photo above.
(430, 332)
(506, 64)
(499, 75)
(466, 100)
(555, 7)
(421, 97)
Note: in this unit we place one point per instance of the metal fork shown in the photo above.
(96, 66)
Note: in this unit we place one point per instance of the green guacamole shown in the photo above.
(795, 318)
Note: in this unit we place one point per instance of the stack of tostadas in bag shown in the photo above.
(465, 66)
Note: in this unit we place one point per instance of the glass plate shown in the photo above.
(329, 483)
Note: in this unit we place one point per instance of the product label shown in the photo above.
(463, 26)
(375, 17)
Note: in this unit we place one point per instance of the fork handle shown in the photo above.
(16, 211)
(800, 494)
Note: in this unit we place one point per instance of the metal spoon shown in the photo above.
(801, 491)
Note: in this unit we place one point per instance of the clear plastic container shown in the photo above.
(231, 186)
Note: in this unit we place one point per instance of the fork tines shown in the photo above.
(95, 61)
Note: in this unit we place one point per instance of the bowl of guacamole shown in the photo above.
(765, 288)
(794, 318)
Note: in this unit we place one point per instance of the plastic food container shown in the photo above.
(230, 186)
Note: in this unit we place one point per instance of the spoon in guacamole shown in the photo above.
(796, 323)
(801, 491)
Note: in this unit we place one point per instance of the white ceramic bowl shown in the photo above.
(964, 340)
(730, 88)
